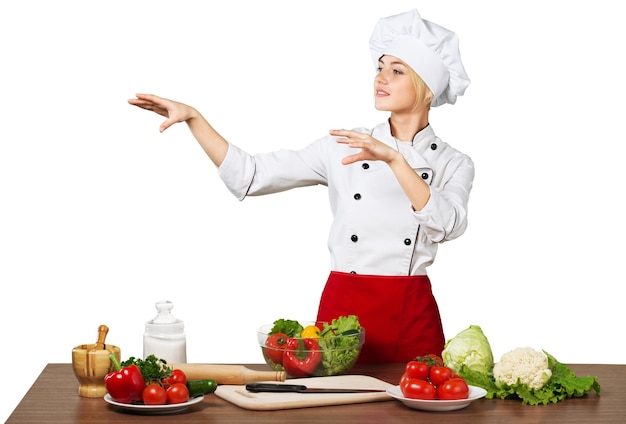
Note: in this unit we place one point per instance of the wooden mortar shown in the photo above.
(91, 363)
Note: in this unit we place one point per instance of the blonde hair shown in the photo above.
(423, 94)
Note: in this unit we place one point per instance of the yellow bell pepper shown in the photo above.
(310, 332)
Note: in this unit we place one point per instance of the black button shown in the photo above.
(407, 241)
(354, 238)
(352, 272)
(433, 146)
(366, 166)
(424, 176)
(357, 196)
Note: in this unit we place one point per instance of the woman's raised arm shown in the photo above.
(210, 140)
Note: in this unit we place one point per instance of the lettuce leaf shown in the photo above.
(340, 353)
(290, 327)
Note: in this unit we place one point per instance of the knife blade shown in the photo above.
(299, 388)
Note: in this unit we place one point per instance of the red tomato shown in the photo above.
(154, 394)
(454, 388)
(275, 346)
(416, 388)
(177, 393)
(416, 369)
(177, 376)
(404, 379)
(431, 359)
(439, 375)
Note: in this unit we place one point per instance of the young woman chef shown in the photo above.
(396, 191)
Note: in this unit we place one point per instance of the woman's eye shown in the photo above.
(397, 72)
(379, 69)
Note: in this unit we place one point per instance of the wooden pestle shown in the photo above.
(227, 374)
(102, 334)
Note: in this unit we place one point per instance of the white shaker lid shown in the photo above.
(165, 322)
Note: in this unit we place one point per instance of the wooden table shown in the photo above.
(53, 398)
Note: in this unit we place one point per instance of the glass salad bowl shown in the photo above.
(311, 353)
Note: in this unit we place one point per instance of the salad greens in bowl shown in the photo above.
(312, 349)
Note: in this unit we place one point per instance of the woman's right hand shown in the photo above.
(174, 111)
(212, 143)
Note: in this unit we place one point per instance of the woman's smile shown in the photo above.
(381, 93)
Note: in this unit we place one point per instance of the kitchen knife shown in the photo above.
(298, 388)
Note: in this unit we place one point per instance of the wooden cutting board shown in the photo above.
(238, 394)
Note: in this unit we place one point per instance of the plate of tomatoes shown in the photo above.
(429, 385)
(140, 408)
(437, 404)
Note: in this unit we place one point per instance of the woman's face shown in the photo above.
(394, 90)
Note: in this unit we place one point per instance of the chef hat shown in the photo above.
(429, 49)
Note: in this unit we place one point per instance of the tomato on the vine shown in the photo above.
(439, 374)
(426, 377)
(177, 393)
(275, 346)
(452, 389)
(154, 394)
(416, 388)
(416, 369)
(430, 359)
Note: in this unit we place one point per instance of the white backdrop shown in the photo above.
(101, 215)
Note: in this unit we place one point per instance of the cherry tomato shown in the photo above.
(404, 380)
(454, 388)
(177, 376)
(177, 393)
(275, 347)
(154, 394)
(416, 388)
(416, 369)
(431, 359)
(439, 374)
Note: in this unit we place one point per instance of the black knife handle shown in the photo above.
(275, 388)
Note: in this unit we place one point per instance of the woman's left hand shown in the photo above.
(371, 149)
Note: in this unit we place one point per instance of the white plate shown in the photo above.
(437, 405)
(154, 409)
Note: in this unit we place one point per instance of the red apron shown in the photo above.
(399, 314)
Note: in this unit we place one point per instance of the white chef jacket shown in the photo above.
(375, 230)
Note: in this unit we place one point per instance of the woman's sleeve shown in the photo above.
(445, 215)
(265, 173)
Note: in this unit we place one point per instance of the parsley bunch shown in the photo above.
(152, 368)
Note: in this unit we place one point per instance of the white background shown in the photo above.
(101, 215)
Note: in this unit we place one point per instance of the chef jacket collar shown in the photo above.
(421, 142)
(426, 135)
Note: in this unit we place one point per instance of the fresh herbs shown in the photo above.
(152, 368)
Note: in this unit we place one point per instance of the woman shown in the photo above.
(396, 191)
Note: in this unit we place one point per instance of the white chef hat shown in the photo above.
(429, 49)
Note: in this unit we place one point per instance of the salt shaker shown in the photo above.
(165, 336)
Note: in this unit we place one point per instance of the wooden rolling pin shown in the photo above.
(227, 374)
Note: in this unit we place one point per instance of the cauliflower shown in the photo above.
(524, 365)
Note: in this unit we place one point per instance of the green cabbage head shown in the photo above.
(470, 348)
